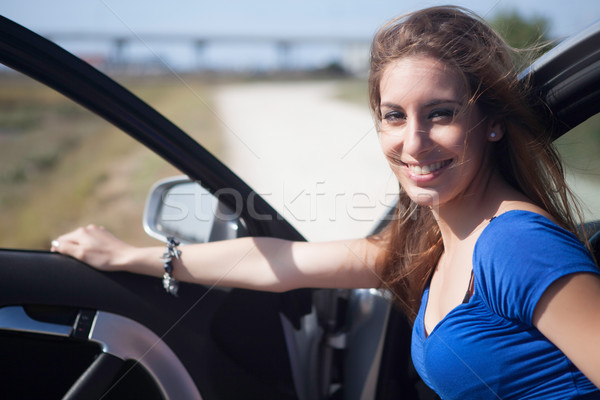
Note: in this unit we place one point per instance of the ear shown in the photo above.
(496, 132)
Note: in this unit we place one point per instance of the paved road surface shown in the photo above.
(316, 159)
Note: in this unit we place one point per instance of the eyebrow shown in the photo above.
(443, 101)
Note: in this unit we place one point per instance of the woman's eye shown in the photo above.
(442, 114)
(394, 116)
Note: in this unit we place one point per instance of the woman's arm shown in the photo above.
(253, 262)
(568, 314)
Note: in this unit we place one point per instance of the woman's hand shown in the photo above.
(95, 246)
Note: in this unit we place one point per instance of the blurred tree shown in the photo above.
(527, 35)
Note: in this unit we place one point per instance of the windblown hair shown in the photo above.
(524, 156)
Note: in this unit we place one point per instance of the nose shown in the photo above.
(417, 140)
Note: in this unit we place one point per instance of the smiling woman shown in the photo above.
(486, 141)
(457, 130)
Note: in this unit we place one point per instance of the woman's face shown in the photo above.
(436, 147)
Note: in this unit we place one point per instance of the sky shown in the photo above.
(340, 18)
(351, 17)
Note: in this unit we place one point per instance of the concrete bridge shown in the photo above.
(354, 51)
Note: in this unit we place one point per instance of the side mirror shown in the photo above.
(180, 208)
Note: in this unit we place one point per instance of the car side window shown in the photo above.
(580, 151)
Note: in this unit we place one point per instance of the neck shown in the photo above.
(462, 217)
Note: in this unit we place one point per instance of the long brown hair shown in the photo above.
(525, 156)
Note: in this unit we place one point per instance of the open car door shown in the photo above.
(69, 331)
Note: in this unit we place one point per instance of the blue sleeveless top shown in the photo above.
(488, 348)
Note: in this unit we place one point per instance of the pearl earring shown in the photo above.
(493, 135)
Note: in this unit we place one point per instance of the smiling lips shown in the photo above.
(427, 169)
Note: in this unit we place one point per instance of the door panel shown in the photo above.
(214, 333)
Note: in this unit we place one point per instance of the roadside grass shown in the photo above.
(580, 148)
(63, 167)
(354, 90)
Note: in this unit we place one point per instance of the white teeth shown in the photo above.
(427, 169)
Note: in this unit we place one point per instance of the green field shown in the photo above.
(62, 167)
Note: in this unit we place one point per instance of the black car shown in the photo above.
(69, 331)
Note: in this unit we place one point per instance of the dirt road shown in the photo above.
(315, 158)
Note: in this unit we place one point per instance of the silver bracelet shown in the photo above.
(169, 283)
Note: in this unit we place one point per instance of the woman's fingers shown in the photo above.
(61, 243)
(66, 247)
(92, 244)
(54, 245)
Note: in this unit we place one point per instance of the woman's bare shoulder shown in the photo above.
(523, 205)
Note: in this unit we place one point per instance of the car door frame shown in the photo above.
(44, 278)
